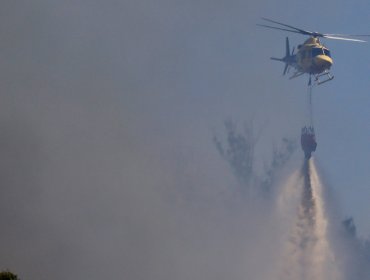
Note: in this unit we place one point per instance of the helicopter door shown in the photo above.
(305, 59)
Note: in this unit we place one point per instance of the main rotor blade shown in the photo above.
(292, 27)
(348, 35)
(343, 39)
(272, 27)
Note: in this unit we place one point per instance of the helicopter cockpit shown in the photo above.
(320, 51)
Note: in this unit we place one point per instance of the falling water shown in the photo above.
(307, 254)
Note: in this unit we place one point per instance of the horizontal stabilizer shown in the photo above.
(277, 59)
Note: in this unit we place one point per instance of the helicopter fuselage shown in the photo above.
(312, 57)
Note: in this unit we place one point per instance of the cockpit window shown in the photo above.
(317, 51)
(327, 52)
(320, 51)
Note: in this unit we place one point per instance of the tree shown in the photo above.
(280, 156)
(238, 151)
(7, 275)
(350, 227)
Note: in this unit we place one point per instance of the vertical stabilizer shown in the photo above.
(288, 59)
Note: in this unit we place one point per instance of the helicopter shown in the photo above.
(312, 56)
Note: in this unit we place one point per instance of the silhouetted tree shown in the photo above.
(359, 264)
(239, 153)
(363, 245)
(350, 227)
(280, 157)
(7, 275)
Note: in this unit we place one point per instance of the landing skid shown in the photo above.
(317, 80)
(296, 74)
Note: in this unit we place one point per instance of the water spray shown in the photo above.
(308, 254)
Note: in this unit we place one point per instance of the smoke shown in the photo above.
(106, 167)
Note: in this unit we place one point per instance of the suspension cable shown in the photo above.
(310, 104)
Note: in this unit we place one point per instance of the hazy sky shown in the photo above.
(108, 109)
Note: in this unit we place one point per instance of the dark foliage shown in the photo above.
(280, 157)
(238, 151)
(7, 275)
(350, 227)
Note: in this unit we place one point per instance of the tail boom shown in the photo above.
(288, 59)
